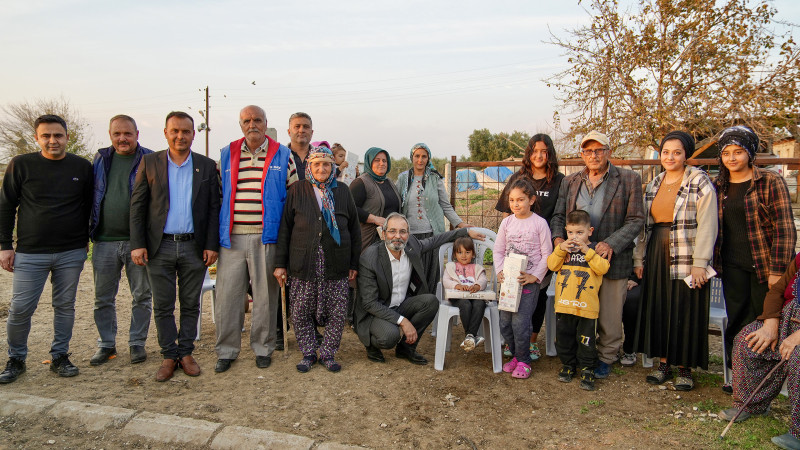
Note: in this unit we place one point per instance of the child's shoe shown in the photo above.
(506, 350)
(566, 374)
(534, 349)
(628, 359)
(479, 340)
(510, 366)
(587, 379)
(469, 343)
(522, 371)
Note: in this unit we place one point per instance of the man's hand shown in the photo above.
(788, 344)
(772, 279)
(408, 331)
(280, 275)
(351, 276)
(7, 260)
(139, 256)
(210, 257)
(604, 250)
(764, 337)
(632, 284)
(699, 277)
(474, 234)
(557, 241)
(526, 278)
(639, 272)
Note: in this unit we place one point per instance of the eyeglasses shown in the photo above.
(401, 232)
(598, 152)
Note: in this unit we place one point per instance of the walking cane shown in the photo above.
(747, 402)
(285, 324)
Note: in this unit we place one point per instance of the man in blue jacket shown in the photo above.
(255, 172)
(115, 170)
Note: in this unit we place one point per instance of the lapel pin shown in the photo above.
(197, 170)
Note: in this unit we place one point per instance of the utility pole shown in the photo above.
(207, 128)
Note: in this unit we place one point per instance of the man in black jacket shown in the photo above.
(395, 305)
(175, 231)
(49, 193)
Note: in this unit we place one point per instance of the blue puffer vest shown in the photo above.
(101, 165)
(273, 189)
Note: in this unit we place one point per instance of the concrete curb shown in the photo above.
(163, 428)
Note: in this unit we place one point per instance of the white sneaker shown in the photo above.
(628, 359)
(469, 343)
(479, 340)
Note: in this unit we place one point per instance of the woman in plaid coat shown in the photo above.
(679, 234)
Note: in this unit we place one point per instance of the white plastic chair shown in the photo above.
(208, 285)
(719, 317)
(448, 314)
(550, 319)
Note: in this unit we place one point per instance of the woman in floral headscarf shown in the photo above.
(425, 203)
(319, 244)
(756, 235)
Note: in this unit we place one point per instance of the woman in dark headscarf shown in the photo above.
(374, 194)
(319, 242)
(425, 203)
(679, 234)
(756, 230)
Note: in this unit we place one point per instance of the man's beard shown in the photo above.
(396, 245)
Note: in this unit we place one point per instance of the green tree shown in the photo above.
(17, 133)
(486, 146)
(694, 65)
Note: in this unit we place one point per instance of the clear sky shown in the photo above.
(385, 74)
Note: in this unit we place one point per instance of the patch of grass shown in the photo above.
(715, 359)
(753, 433)
(708, 405)
(597, 402)
(618, 370)
(584, 409)
(707, 379)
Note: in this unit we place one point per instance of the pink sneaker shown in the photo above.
(510, 366)
(522, 371)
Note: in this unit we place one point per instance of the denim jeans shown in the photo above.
(30, 274)
(516, 327)
(108, 260)
(176, 259)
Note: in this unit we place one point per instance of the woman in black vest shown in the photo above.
(374, 194)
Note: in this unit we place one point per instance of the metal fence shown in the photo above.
(474, 194)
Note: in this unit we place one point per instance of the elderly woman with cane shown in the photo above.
(319, 244)
(773, 339)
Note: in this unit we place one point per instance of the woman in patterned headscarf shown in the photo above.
(756, 236)
(319, 244)
(773, 336)
(425, 203)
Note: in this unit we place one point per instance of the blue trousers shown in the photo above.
(108, 260)
(30, 274)
(516, 327)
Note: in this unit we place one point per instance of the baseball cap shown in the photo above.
(595, 135)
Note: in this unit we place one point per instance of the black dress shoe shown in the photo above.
(103, 355)
(14, 368)
(137, 354)
(222, 365)
(412, 356)
(374, 354)
(262, 362)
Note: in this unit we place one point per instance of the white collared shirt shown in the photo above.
(401, 276)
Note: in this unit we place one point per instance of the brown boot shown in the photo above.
(190, 366)
(166, 370)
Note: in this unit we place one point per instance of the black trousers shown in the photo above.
(575, 341)
(744, 301)
(630, 314)
(176, 259)
(420, 310)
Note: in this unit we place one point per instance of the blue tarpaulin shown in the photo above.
(499, 173)
(466, 180)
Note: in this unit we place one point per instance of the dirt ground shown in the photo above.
(392, 405)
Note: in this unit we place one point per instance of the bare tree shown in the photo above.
(695, 65)
(17, 133)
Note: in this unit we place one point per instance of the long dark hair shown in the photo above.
(723, 180)
(552, 159)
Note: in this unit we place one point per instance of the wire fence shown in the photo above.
(474, 190)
